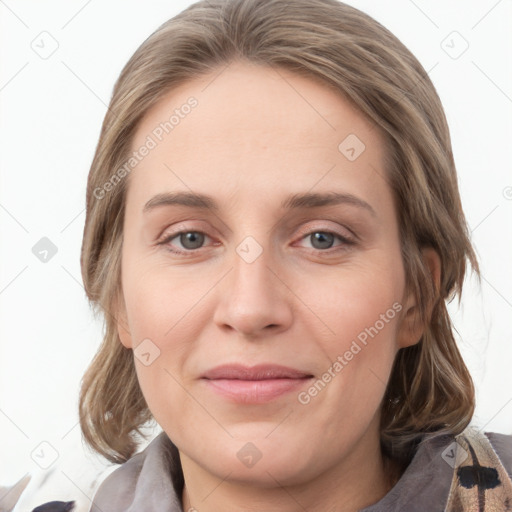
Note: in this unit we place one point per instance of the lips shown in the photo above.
(259, 372)
(254, 384)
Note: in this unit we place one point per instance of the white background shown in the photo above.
(52, 111)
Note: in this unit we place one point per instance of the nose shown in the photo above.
(254, 297)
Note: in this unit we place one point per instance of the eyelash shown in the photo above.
(190, 252)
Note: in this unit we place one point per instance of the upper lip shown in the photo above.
(258, 372)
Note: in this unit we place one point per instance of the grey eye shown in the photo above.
(322, 239)
(191, 239)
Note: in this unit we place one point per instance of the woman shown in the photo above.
(273, 231)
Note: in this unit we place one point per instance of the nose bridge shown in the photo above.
(251, 268)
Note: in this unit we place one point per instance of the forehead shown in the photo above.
(259, 128)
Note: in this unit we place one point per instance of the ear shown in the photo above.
(411, 327)
(121, 316)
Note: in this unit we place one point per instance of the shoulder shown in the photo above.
(438, 462)
(117, 491)
(499, 444)
(487, 447)
(481, 479)
(502, 445)
(142, 483)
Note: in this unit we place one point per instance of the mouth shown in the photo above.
(254, 384)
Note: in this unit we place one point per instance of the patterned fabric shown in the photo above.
(56, 506)
(480, 482)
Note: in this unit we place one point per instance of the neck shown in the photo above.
(360, 480)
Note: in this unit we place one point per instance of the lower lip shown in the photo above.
(254, 391)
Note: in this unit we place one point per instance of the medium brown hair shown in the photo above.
(430, 388)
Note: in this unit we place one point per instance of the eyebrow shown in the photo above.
(293, 202)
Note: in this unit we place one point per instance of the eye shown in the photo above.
(189, 240)
(322, 240)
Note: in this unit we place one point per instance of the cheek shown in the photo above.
(365, 343)
(360, 312)
(164, 317)
(159, 304)
(356, 303)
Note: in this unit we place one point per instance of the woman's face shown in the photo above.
(289, 272)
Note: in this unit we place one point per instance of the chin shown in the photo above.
(260, 462)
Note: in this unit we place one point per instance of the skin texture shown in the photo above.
(256, 136)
